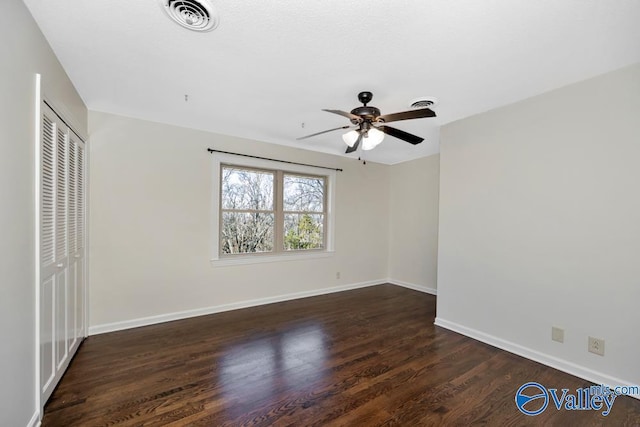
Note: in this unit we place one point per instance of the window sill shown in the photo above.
(259, 259)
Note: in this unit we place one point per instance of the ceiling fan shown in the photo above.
(368, 125)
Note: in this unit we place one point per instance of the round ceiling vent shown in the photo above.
(423, 101)
(196, 15)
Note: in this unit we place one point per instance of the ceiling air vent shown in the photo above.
(423, 101)
(196, 15)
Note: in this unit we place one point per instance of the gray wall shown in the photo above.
(539, 226)
(413, 223)
(23, 52)
(150, 226)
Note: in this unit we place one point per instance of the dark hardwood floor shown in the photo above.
(365, 357)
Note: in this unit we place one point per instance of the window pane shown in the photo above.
(247, 189)
(244, 232)
(303, 193)
(303, 231)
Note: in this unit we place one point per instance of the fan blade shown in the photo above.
(355, 146)
(400, 134)
(345, 114)
(324, 131)
(407, 115)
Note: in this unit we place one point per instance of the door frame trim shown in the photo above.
(38, 207)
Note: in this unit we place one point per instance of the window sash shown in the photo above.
(322, 232)
(283, 213)
(307, 177)
(263, 245)
(254, 170)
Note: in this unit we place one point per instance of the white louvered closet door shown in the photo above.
(62, 219)
(75, 310)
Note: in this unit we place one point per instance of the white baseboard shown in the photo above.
(545, 359)
(152, 320)
(35, 420)
(420, 288)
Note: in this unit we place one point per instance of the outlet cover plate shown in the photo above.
(596, 346)
(557, 334)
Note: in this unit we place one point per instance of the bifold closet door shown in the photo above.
(62, 235)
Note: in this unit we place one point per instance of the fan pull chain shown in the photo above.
(361, 156)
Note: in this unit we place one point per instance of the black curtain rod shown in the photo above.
(211, 150)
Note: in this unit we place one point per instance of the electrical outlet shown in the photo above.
(557, 334)
(596, 346)
(337, 274)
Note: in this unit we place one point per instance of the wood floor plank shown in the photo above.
(366, 357)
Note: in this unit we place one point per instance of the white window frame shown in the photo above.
(220, 159)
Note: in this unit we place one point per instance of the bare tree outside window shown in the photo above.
(303, 205)
(248, 213)
(252, 221)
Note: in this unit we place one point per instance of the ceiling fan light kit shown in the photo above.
(370, 124)
(350, 137)
(371, 139)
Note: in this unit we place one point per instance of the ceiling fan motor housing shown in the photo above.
(366, 113)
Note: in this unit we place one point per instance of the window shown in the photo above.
(248, 213)
(263, 212)
(303, 208)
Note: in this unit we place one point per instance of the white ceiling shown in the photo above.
(272, 65)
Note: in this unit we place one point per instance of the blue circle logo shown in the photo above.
(532, 392)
